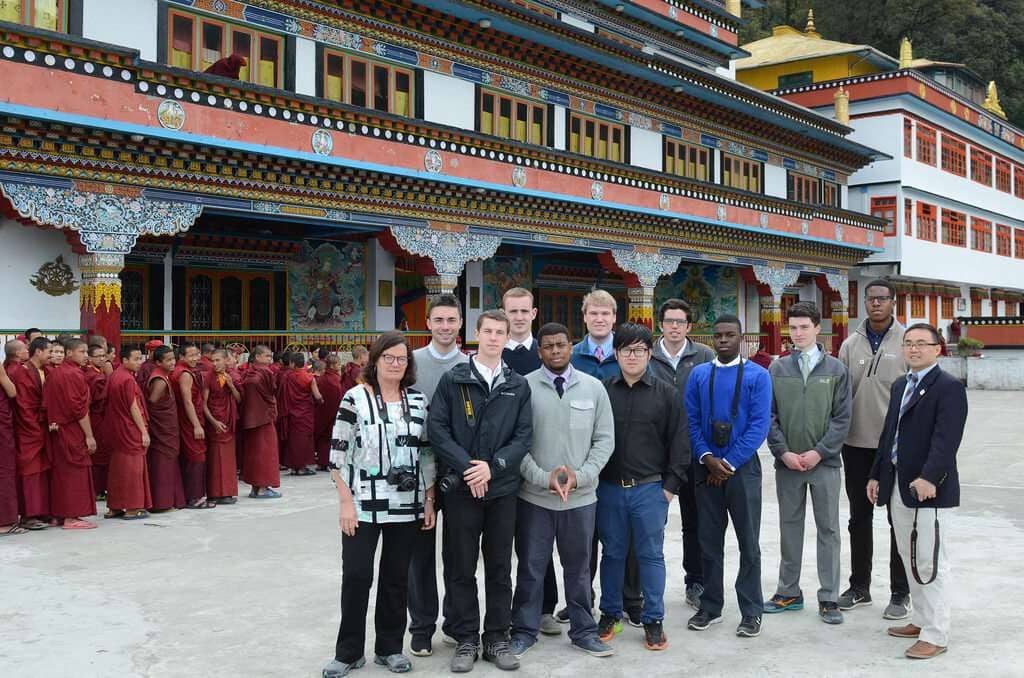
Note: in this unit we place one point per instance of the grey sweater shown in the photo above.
(429, 369)
(585, 445)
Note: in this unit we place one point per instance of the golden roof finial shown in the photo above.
(991, 103)
(906, 52)
(842, 106)
(810, 29)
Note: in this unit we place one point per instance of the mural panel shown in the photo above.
(502, 273)
(325, 287)
(710, 290)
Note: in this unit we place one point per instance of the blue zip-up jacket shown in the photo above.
(583, 361)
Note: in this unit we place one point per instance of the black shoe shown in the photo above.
(654, 636)
(851, 598)
(633, 617)
(420, 646)
(607, 627)
(702, 620)
(693, 594)
(750, 627)
(562, 616)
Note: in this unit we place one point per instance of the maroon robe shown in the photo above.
(8, 464)
(129, 486)
(259, 412)
(31, 434)
(350, 376)
(97, 381)
(164, 447)
(330, 387)
(220, 450)
(142, 376)
(66, 399)
(300, 413)
(193, 450)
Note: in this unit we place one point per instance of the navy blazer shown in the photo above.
(930, 434)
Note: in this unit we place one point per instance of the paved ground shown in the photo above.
(252, 590)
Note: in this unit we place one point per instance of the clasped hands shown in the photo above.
(801, 462)
(562, 481)
(718, 470)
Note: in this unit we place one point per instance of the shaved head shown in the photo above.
(13, 347)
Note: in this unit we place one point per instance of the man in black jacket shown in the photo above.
(480, 427)
(915, 468)
(673, 358)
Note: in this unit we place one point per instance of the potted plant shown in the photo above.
(967, 348)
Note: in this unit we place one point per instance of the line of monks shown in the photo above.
(156, 432)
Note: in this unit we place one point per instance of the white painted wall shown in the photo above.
(474, 278)
(25, 249)
(884, 133)
(127, 24)
(448, 100)
(558, 120)
(305, 66)
(775, 181)
(380, 265)
(645, 148)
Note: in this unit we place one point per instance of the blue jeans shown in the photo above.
(639, 511)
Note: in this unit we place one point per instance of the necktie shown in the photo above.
(908, 394)
(560, 386)
(519, 349)
(805, 365)
(599, 354)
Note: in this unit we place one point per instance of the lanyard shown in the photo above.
(734, 410)
(382, 408)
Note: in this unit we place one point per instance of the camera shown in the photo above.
(449, 481)
(403, 477)
(721, 431)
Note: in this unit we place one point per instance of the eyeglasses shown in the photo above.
(633, 352)
(877, 300)
(395, 359)
(674, 322)
(919, 345)
(560, 346)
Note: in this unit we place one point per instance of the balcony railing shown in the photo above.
(305, 342)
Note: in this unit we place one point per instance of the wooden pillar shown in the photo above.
(840, 322)
(771, 323)
(100, 295)
(641, 306)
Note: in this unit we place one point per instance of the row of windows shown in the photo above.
(1007, 178)
(196, 43)
(811, 190)
(47, 14)
(918, 304)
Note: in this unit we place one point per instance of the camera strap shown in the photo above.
(734, 410)
(935, 551)
(468, 404)
(382, 408)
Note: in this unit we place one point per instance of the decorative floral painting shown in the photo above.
(711, 290)
(503, 273)
(325, 287)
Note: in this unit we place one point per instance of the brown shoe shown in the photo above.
(908, 631)
(923, 650)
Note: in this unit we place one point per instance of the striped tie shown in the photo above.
(908, 393)
(599, 354)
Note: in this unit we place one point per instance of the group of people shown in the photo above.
(161, 431)
(553, 441)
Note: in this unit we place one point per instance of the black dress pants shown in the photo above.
(857, 463)
(692, 567)
(357, 554)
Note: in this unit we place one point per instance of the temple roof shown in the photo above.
(788, 44)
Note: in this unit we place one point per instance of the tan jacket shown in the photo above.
(871, 378)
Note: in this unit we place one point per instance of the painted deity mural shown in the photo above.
(711, 290)
(503, 273)
(325, 287)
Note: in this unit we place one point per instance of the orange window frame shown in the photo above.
(1004, 240)
(216, 276)
(830, 194)
(947, 307)
(917, 306)
(256, 74)
(954, 156)
(853, 305)
(981, 166)
(885, 208)
(741, 173)
(803, 189)
(926, 222)
(328, 55)
(588, 139)
(981, 235)
(204, 23)
(908, 138)
(521, 119)
(251, 72)
(1004, 175)
(926, 142)
(25, 12)
(908, 216)
(1018, 243)
(1018, 181)
(954, 228)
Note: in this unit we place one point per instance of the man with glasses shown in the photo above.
(873, 356)
(646, 470)
(916, 469)
(673, 358)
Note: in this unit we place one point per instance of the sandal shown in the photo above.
(226, 500)
(304, 472)
(268, 493)
(34, 524)
(201, 504)
(14, 528)
(113, 513)
(135, 515)
(78, 524)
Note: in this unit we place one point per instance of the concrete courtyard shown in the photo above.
(252, 590)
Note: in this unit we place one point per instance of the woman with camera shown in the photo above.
(384, 471)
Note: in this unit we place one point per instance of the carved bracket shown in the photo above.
(777, 278)
(449, 250)
(648, 267)
(108, 219)
(840, 282)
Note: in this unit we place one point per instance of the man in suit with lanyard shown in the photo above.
(916, 469)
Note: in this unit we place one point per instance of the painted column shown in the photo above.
(100, 295)
(168, 295)
(440, 284)
(643, 267)
(380, 287)
(641, 306)
(449, 247)
(840, 284)
(776, 277)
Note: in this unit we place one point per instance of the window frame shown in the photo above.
(927, 221)
(727, 160)
(908, 138)
(981, 235)
(27, 10)
(532, 106)
(884, 207)
(927, 144)
(918, 306)
(598, 124)
(954, 228)
(954, 155)
(229, 28)
(1018, 181)
(1018, 243)
(981, 161)
(833, 188)
(1004, 240)
(908, 217)
(671, 148)
(798, 184)
(1006, 174)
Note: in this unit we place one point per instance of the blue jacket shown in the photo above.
(753, 417)
(583, 361)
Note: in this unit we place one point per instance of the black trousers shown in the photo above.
(472, 527)
(632, 594)
(692, 567)
(739, 500)
(857, 463)
(423, 585)
(357, 554)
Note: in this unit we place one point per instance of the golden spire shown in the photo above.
(991, 103)
(810, 29)
(842, 106)
(906, 52)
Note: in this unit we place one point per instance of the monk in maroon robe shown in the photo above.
(165, 484)
(300, 395)
(259, 412)
(329, 384)
(142, 376)
(352, 375)
(128, 436)
(8, 448)
(188, 389)
(66, 400)
(205, 364)
(222, 397)
(32, 434)
(96, 377)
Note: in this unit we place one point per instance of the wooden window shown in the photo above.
(512, 118)
(908, 138)
(802, 188)
(1018, 243)
(1003, 175)
(885, 208)
(211, 43)
(908, 216)
(901, 308)
(367, 84)
(358, 82)
(954, 156)
(1018, 181)
(195, 43)
(926, 221)
(981, 235)
(241, 44)
(268, 71)
(742, 173)
(228, 300)
(133, 297)
(954, 228)
(854, 299)
(981, 166)
(925, 145)
(830, 193)
(947, 307)
(1004, 244)
(596, 138)
(334, 76)
(50, 15)
(180, 43)
(686, 160)
(975, 307)
(917, 306)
